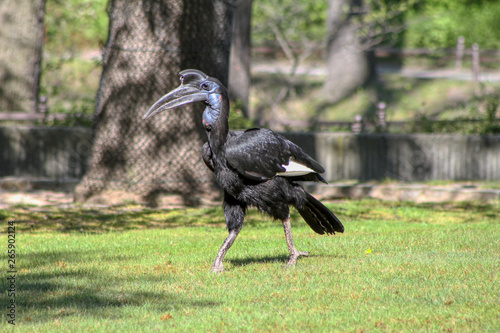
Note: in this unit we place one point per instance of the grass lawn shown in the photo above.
(398, 267)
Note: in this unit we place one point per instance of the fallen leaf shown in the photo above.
(167, 316)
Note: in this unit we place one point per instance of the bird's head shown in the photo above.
(195, 86)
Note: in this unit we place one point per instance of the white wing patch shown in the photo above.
(294, 169)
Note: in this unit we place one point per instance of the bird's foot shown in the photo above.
(217, 269)
(293, 258)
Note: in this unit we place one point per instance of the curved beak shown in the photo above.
(182, 95)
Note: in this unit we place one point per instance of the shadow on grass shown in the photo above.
(64, 290)
(240, 262)
(116, 219)
(40, 293)
(109, 218)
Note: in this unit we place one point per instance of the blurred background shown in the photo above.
(421, 51)
(336, 66)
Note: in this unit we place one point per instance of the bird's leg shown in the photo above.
(294, 254)
(217, 266)
(234, 211)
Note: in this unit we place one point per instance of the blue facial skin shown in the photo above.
(212, 110)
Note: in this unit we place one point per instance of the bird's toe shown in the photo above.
(293, 258)
(217, 269)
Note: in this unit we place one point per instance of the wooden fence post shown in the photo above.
(475, 65)
(460, 52)
(357, 127)
(380, 121)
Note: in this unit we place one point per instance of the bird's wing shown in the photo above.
(261, 154)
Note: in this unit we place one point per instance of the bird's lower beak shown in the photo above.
(177, 97)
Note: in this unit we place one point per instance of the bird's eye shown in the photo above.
(205, 86)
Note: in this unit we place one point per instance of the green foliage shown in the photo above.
(75, 25)
(492, 123)
(481, 118)
(297, 20)
(237, 119)
(383, 22)
(398, 267)
(304, 20)
(70, 86)
(430, 23)
(78, 24)
(439, 23)
(70, 80)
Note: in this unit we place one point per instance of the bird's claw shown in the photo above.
(293, 258)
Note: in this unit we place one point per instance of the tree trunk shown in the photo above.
(149, 42)
(239, 65)
(349, 64)
(21, 39)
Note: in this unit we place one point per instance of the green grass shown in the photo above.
(398, 267)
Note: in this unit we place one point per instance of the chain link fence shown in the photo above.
(149, 43)
(20, 54)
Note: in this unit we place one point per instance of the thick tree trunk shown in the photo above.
(21, 40)
(349, 64)
(239, 65)
(149, 42)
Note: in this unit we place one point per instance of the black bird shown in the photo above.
(255, 167)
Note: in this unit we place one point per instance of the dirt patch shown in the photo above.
(36, 198)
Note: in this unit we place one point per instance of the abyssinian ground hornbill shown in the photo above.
(255, 167)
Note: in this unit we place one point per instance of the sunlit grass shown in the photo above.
(398, 267)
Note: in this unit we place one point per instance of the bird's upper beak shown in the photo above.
(184, 94)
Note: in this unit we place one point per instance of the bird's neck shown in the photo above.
(217, 133)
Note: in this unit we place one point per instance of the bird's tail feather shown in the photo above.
(320, 218)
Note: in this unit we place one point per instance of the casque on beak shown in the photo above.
(184, 94)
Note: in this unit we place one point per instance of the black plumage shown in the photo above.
(256, 167)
